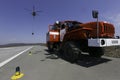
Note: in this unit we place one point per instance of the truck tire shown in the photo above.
(71, 52)
(96, 52)
(50, 47)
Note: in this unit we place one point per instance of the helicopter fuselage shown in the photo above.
(34, 13)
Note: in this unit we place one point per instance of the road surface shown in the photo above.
(36, 63)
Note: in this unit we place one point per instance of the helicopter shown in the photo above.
(34, 13)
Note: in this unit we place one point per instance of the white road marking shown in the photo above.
(8, 60)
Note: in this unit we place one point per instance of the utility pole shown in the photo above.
(95, 15)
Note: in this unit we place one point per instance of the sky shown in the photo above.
(17, 23)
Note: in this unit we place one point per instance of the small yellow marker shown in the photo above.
(30, 53)
(17, 74)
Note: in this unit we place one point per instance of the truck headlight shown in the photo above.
(102, 42)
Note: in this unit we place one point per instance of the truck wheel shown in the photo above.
(71, 51)
(50, 47)
(96, 52)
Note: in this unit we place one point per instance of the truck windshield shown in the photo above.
(52, 27)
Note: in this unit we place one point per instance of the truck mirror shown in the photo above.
(95, 14)
(118, 37)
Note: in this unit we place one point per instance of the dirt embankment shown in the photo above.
(112, 51)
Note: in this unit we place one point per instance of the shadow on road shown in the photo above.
(84, 60)
(88, 61)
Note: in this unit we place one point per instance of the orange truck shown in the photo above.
(73, 37)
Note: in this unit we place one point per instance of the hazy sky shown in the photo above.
(17, 24)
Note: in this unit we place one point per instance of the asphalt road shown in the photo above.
(40, 65)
